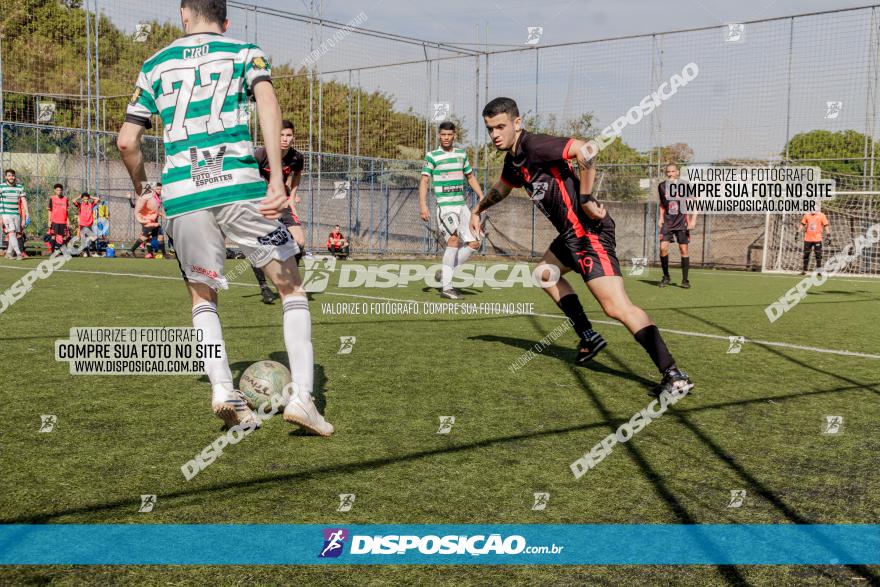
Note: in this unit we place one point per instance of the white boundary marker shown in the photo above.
(379, 298)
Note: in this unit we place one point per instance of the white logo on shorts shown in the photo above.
(539, 190)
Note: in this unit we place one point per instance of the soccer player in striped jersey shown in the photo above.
(12, 204)
(448, 168)
(200, 86)
(541, 164)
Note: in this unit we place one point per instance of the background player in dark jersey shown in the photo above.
(293, 163)
(541, 164)
(674, 224)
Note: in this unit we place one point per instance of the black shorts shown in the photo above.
(809, 246)
(591, 255)
(60, 230)
(150, 232)
(681, 236)
(288, 218)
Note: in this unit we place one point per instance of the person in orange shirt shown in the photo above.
(85, 204)
(148, 211)
(813, 225)
(59, 222)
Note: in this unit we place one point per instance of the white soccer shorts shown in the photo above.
(199, 240)
(11, 223)
(455, 220)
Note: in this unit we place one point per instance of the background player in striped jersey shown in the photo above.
(674, 225)
(13, 203)
(448, 168)
(540, 164)
(200, 85)
(293, 163)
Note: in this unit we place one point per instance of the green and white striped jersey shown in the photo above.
(199, 85)
(9, 197)
(447, 170)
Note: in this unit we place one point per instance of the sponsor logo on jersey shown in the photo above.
(135, 96)
(210, 169)
(259, 63)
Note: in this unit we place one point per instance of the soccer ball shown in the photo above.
(262, 380)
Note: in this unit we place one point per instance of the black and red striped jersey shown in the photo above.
(539, 163)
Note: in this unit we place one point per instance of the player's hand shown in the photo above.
(424, 213)
(275, 200)
(595, 210)
(476, 225)
(691, 225)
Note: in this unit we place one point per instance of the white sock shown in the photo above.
(464, 253)
(450, 255)
(298, 340)
(206, 318)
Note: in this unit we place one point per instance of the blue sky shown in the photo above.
(746, 100)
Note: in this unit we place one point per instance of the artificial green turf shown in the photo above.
(753, 421)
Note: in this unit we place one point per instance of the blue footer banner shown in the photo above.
(523, 544)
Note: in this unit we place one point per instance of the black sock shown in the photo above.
(162, 247)
(806, 258)
(818, 254)
(571, 307)
(685, 265)
(136, 244)
(664, 263)
(149, 248)
(261, 277)
(298, 257)
(650, 339)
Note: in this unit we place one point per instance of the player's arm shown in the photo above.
(25, 209)
(475, 185)
(496, 193)
(691, 220)
(293, 184)
(424, 183)
(269, 113)
(129, 145)
(577, 149)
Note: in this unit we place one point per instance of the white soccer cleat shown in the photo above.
(304, 414)
(231, 406)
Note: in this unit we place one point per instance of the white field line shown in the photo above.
(769, 343)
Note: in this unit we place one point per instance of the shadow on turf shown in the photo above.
(567, 355)
(756, 485)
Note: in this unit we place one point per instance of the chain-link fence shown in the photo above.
(794, 90)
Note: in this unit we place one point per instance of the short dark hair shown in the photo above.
(12, 171)
(206, 10)
(447, 125)
(671, 164)
(501, 106)
(58, 185)
(158, 184)
(287, 124)
(85, 194)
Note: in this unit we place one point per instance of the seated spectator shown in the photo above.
(337, 244)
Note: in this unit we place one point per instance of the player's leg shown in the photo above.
(807, 248)
(447, 220)
(12, 250)
(471, 243)
(294, 226)
(199, 244)
(266, 293)
(562, 293)
(609, 291)
(683, 241)
(244, 225)
(664, 257)
(817, 251)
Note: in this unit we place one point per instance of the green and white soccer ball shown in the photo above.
(262, 380)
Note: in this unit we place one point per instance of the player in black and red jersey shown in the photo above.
(675, 225)
(293, 163)
(541, 164)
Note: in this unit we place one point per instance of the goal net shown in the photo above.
(850, 215)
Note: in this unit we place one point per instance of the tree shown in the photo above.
(680, 153)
